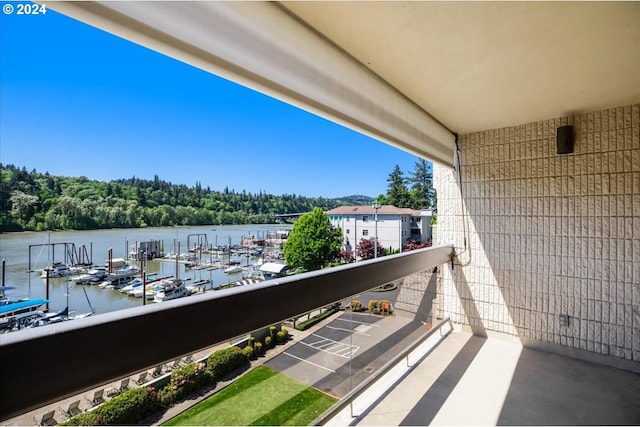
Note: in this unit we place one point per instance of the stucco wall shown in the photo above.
(547, 233)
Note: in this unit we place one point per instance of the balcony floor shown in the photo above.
(471, 380)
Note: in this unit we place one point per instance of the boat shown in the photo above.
(233, 269)
(59, 269)
(36, 319)
(150, 293)
(137, 285)
(95, 275)
(171, 289)
(131, 286)
(10, 310)
(125, 272)
(198, 286)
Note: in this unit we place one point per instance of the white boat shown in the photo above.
(171, 289)
(150, 292)
(94, 275)
(131, 286)
(233, 269)
(58, 269)
(124, 272)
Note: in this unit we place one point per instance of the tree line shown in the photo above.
(37, 201)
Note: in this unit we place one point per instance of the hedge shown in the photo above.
(127, 408)
(224, 361)
(136, 404)
(315, 319)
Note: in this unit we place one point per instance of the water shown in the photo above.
(14, 249)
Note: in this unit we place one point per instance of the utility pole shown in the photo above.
(376, 206)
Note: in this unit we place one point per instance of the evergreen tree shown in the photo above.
(313, 242)
(397, 192)
(422, 192)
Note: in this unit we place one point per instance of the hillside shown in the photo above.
(37, 201)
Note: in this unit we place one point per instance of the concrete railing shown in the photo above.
(48, 364)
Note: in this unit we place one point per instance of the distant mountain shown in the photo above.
(355, 200)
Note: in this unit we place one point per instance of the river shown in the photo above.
(14, 249)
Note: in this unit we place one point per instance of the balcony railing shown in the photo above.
(48, 364)
(417, 350)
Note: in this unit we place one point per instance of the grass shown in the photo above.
(260, 397)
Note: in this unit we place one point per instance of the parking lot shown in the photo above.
(338, 356)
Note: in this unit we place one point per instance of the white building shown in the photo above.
(394, 226)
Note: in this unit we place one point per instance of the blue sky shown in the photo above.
(77, 101)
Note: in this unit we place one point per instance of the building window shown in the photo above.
(365, 232)
(348, 218)
(348, 230)
(365, 218)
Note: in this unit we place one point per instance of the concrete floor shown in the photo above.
(471, 380)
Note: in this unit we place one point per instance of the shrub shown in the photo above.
(251, 341)
(356, 305)
(272, 331)
(281, 337)
(268, 342)
(248, 352)
(129, 407)
(167, 395)
(285, 331)
(223, 361)
(85, 419)
(385, 306)
(373, 305)
(258, 348)
(185, 380)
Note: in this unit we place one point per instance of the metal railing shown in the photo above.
(48, 364)
(349, 399)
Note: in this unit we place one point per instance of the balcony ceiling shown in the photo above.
(406, 73)
(484, 65)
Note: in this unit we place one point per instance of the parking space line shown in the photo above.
(333, 347)
(310, 363)
(329, 344)
(347, 330)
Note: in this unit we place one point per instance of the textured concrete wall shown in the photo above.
(547, 234)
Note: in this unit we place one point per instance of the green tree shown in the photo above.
(23, 205)
(422, 192)
(313, 242)
(397, 192)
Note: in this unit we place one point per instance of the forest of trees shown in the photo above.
(40, 201)
(37, 201)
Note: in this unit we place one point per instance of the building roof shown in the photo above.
(369, 210)
(272, 267)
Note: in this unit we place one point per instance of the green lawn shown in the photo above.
(261, 397)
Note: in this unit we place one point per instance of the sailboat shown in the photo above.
(231, 269)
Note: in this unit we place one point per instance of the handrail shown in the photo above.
(50, 363)
(371, 380)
